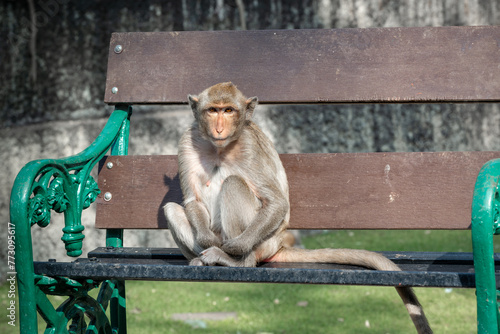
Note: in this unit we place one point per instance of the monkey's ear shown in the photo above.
(251, 104)
(193, 101)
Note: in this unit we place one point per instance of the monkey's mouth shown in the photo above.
(220, 142)
(219, 139)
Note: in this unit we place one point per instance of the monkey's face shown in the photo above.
(221, 111)
(221, 123)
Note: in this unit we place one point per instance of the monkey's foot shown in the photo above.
(196, 262)
(214, 256)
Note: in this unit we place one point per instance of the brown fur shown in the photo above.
(236, 207)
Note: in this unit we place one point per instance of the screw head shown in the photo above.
(109, 165)
(118, 48)
(108, 196)
(114, 90)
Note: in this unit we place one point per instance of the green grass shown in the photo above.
(274, 308)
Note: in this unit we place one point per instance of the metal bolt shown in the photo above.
(109, 165)
(93, 259)
(107, 196)
(114, 90)
(52, 260)
(118, 48)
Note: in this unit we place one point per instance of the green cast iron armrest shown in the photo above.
(65, 186)
(485, 223)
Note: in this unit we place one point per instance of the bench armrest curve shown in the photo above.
(63, 185)
(484, 224)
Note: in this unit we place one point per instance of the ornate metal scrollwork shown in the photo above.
(91, 192)
(65, 186)
(39, 209)
(47, 196)
(56, 189)
(80, 312)
(64, 286)
(57, 198)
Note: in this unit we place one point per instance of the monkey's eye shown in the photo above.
(212, 110)
(228, 110)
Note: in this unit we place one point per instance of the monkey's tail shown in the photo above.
(362, 258)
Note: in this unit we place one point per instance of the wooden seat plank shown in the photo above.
(430, 190)
(416, 275)
(436, 269)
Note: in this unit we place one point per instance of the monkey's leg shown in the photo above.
(181, 230)
(238, 207)
(199, 219)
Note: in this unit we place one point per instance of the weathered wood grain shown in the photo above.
(426, 64)
(327, 191)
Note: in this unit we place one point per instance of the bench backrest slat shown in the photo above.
(327, 191)
(431, 64)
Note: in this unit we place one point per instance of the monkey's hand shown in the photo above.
(208, 239)
(237, 246)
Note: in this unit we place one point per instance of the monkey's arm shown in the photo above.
(199, 219)
(196, 212)
(268, 220)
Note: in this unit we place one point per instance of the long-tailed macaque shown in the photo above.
(236, 208)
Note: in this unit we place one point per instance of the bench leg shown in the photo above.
(485, 216)
(117, 308)
(114, 238)
(26, 286)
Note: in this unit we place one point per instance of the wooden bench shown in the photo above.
(432, 190)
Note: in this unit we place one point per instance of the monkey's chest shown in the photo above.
(210, 187)
(211, 184)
